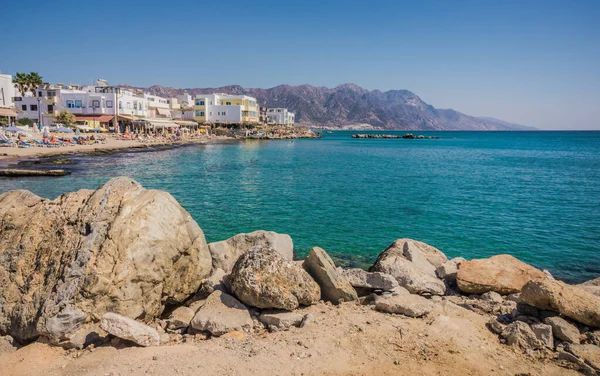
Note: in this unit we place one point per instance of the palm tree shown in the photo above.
(34, 80)
(21, 83)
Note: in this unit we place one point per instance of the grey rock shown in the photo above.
(526, 309)
(129, 329)
(307, 319)
(589, 353)
(520, 334)
(563, 330)
(220, 314)
(495, 326)
(360, 278)
(449, 269)
(583, 367)
(65, 324)
(514, 297)
(543, 333)
(492, 296)
(334, 286)
(280, 319)
(407, 305)
(392, 261)
(180, 318)
(7, 345)
(226, 253)
(262, 278)
(91, 334)
(413, 254)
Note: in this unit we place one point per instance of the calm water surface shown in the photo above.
(535, 195)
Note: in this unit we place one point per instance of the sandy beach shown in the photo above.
(12, 154)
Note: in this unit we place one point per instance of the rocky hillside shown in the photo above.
(349, 104)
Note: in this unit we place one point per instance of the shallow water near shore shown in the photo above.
(535, 195)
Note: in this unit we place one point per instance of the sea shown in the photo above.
(534, 195)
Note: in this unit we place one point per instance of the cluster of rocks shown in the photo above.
(127, 264)
(377, 135)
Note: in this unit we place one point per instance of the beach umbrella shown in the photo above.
(63, 130)
(14, 129)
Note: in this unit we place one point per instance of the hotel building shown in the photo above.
(280, 116)
(225, 109)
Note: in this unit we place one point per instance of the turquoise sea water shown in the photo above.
(535, 195)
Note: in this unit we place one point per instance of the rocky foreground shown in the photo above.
(121, 281)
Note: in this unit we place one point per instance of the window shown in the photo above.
(120, 105)
(95, 103)
(135, 105)
(33, 107)
(228, 103)
(51, 94)
(70, 104)
(50, 108)
(109, 104)
(17, 99)
(24, 107)
(199, 113)
(78, 103)
(39, 94)
(128, 104)
(199, 102)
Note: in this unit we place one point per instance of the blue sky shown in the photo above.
(531, 62)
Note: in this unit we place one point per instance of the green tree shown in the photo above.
(25, 121)
(66, 118)
(21, 82)
(34, 80)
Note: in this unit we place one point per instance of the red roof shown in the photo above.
(8, 112)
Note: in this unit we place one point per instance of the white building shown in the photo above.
(94, 105)
(226, 109)
(280, 116)
(7, 92)
(182, 107)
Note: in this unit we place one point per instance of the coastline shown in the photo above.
(15, 155)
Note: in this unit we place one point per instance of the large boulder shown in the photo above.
(503, 274)
(392, 261)
(334, 286)
(226, 252)
(571, 301)
(360, 278)
(263, 278)
(221, 313)
(121, 248)
(129, 329)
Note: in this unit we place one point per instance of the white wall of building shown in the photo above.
(280, 116)
(7, 90)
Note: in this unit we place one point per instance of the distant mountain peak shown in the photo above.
(348, 104)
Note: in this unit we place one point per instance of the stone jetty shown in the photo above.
(406, 136)
(126, 268)
(20, 172)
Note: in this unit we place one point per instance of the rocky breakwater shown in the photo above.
(124, 266)
(408, 136)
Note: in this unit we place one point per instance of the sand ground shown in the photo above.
(345, 340)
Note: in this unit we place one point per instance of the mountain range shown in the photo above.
(349, 105)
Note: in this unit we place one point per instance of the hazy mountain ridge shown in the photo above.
(350, 104)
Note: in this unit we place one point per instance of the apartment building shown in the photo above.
(280, 116)
(94, 105)
(182, 107)
(226, 109)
